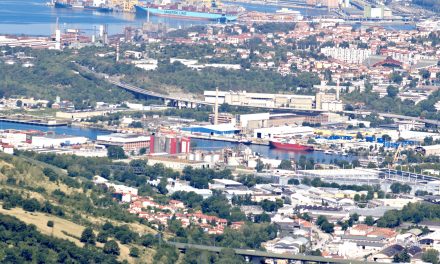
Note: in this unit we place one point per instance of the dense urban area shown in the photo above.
(257, 137)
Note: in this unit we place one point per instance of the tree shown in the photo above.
(260, 165)
(320, 220)
(50, 223)
(402, 257)
(88, 237)
(162, 186)
(424, 73)
(371, 165)
(31, 205)
(134, 252)
(392, 91)
(386, 137)
(116, 152)
(397, 188)
(431, 256)
(427, 141)
(357, 197)
(369, 221)
(396, 78)
(328, 227)
(143, 151)
(293, 181)
(285, 165)
(148, 240)
(111, 247)
(102, 237)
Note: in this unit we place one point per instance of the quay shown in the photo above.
(36, 121)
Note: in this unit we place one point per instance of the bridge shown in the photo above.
(179, 102)
(176, 101)
(256, 256)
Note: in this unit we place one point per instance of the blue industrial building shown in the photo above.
(213, 130)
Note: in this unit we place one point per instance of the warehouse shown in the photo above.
(129, 142)
(52, 141)
(226, 130)
(282, 131)
(433, 150)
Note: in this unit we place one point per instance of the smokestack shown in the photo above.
(117, 52)
(57, 36)
(338, 89)
(216, 107)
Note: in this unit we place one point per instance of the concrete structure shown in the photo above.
(129, 142)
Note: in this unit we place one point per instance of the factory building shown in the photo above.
(225, 130)
(129, 142)
(169, 143)
(282, 131)
(52, 141)
(261, 99)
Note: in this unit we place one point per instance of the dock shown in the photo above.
(33, 121)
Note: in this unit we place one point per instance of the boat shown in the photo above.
(101, 9)
(285, 10)
(191, 11)
(79, 5)
(290, 145)
(59, 4)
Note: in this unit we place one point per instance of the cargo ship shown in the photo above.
(79, 5)
(290, 145)
(196, 11)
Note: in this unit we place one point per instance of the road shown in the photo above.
(264, 254)
(407, 176)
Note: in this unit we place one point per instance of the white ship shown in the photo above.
(290, 12)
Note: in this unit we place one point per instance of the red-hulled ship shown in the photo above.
(290, 145)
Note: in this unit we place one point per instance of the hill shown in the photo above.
(36, 193)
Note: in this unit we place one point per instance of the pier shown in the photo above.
(34, 121)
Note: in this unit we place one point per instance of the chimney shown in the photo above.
(57, 37)
(338, 90)
(117, 52)
(216, 107)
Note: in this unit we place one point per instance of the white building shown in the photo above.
(348, 55)
(282, 131)
(52, 141)
(261, 99)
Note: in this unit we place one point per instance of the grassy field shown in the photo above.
(63, 229)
